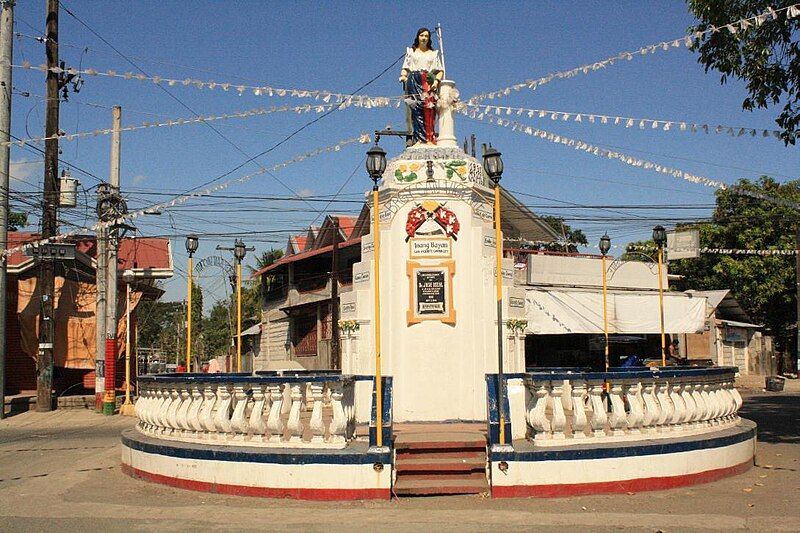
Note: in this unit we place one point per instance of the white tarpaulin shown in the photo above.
(574, 311)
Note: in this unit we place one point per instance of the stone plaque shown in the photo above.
(433, 247)
(431, 292)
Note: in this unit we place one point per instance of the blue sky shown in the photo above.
(338, 46)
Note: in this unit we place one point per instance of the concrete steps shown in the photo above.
(440, 462)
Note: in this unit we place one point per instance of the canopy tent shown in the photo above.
(566, 311)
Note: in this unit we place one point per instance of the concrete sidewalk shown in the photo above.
(60, 470)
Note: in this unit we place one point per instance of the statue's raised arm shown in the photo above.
(421, 75)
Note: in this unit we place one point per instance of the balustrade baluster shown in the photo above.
(679, 408)
(537, 418)
(172, 410)
(180, 415)
(316, 424)
(599, 416)
(256, 421)
(688, 402)
(578, 409)
(207, 410)
(700, 404)
(238, 419)
(557, 401)
(294, 424)
(274, 421)
(618, 420)
(193, 414)
(716, 402)
(665, 414)
(338, 425)
(163, 408)
(652, 409)
(636, 412)
(222, 420)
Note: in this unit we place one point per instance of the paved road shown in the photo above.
(60, 471)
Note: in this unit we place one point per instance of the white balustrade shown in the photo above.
(258, 411)
(629, 405)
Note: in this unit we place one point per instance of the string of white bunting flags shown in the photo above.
(770, 14)
(626, 122)
(182, 199)
(649, 249)
(356, 100)
(307, 108)
(633, 161)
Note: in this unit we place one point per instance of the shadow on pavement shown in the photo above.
(777, 416)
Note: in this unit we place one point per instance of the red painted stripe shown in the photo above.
(610, 487)
(262, 492)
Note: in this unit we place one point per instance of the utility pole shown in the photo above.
(46, 282)
(100, 312)
(335, 349)
(6, 47)
(797, 297)
(109, 398)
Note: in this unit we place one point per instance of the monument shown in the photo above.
(426, 292)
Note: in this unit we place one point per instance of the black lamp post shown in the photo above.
(493, 165)
(192, 243)
(605, 246)
(376, 165)
(660, 238)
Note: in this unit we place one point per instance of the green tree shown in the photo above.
(766, 56)
(217, 329)
(763, 285)
(571, 236)
(17, 220)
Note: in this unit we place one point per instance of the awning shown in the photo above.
(565, 311)
(741, 324)
(252, 330)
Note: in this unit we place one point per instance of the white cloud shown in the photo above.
(138, 178)
(24, 170)
(305, 193)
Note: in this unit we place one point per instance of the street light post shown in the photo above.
(605, 246)
(192, 244)
(376, 164)
(127, 408)
(493, 165)
(660, 238)
(239, 251)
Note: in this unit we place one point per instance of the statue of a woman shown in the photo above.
(420, 75)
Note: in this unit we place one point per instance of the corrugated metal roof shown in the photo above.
(304, 255)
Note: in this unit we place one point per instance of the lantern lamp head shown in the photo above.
(239, 251)
(605, 244)
(192, 244)
(660, 236)
(493, 164)
(376, 163)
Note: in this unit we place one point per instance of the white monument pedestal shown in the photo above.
(438, 309)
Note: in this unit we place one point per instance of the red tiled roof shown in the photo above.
(347, 224)
(304, 255)
(145, 252)
(301, 242)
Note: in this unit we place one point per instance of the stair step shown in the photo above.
(403, 455)
(440, 440)
(416, 486)
(436, 463)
